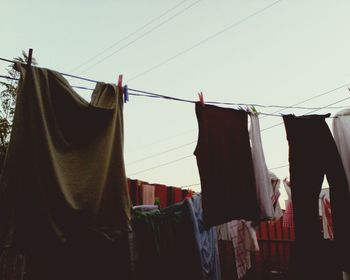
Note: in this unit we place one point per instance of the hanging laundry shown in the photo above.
(327, 221)
(275, 184)
(262, 177)
(341, 132)
(288, 217)
(225, 165)
(313, 154)
(148, 196)
(244, 241)
(207, 242)
(63, 191)
(166, 244)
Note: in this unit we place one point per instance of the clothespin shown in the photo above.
(253, 110)
(121, 89)
(126, 93)
(201, 98)
(30, 55)
(120, 82)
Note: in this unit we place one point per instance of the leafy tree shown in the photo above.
(8, 102)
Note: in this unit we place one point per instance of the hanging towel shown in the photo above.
(225, 165)
(64, 179)
(244, 240)
(148, 197)
(262, 177)
(207, 242)
(341, 132)
(327, 221)
(275, 184)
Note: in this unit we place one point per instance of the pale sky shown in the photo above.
(290, 52)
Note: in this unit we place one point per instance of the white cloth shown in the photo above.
(288, 217)
(341, 133)
(244, 241)
(262, 177)
(148, 194)
(275, 184)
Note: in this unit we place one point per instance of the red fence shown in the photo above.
(276, 242)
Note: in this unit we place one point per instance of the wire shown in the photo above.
(129, 35)
(142, 93)
(313, 97)
(191, 185)
(152, 94)
(279, 167)
(154, 167)
(163, 164)
(7, 60)
(165, 139)
(237, 23)
(198, 184)
(161, 153)
(278, 124)
(142, 36)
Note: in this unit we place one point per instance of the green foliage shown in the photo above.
(8, 103)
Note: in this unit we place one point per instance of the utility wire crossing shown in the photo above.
(129, 35)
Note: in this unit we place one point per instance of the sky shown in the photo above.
(245, 51)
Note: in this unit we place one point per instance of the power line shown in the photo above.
(164, 164)
(161, 153)
(278, 124)
(129, 35)
(279, 167)
(165, 139)
(191, 185)
(142, 36)
(170, 162)
(313, 97)
(237, 23)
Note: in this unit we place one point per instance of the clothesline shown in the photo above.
(188, 156)
(136, 92)
(142, 93)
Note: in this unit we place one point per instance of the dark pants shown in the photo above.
(313, 154)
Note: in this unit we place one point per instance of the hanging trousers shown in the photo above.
(313, 154)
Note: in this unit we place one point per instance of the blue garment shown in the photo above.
(207, 242)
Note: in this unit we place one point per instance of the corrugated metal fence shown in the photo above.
(274, 260)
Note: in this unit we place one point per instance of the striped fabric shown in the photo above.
(12, 265)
